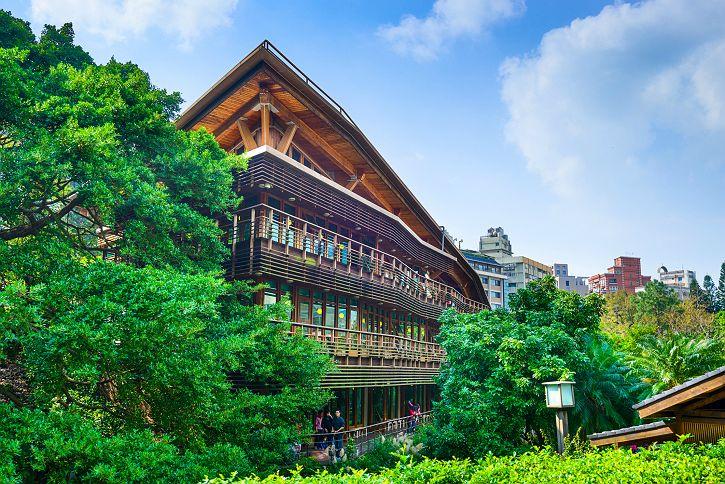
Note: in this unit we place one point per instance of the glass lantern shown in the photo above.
(559, 394)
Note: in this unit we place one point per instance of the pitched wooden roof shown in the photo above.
(326, 133)
(699, 396)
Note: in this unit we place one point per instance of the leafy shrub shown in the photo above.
(671, 462)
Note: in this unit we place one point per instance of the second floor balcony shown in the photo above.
(268, 242)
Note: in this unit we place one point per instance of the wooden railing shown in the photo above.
(348, 342)
(321, 246)
(364, 437)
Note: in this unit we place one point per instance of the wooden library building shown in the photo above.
(326, 223)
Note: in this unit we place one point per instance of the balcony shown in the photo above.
(266, 241)
(365, 438)
(268, 167)
(366, 359)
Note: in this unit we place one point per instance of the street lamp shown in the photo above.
(560, 395)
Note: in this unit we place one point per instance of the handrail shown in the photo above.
(366, 343)
(344, 253)
(362, 435)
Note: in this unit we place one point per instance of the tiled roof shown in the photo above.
(679, 388)
(628, 430)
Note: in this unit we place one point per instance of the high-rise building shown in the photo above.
(624, 275)
(495, 243)
(678, 280)
(492, 277)
(520, 271)
(327, 223)
(566, 282)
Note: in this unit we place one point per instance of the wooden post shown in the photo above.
(247, 138)
(286, 140)
(234, 244)
(304, 242)
(334, 252)
(252, 235)
(265, 118)
(562, 429)
(287, 224)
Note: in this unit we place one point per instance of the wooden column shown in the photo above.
(247, 138)
(235, 235)
(266, 118)
(562, 429)
(286, 140)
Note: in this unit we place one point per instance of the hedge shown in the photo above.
(668, 463)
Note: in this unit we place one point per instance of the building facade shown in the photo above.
(624, 275)
(566, 282)
(678, 280)
(492, 277)
(521, 270)
(518, 270)
(326, 223)
(495, 243)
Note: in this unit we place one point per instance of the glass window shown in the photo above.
(303, 312)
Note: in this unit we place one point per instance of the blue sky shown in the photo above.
(586, 129)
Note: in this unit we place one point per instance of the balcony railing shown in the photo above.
(364, 437)
(320, 246)
(352, 343)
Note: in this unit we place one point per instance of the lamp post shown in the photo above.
(560, 395)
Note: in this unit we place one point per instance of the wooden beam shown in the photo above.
(265, 121)
(705, 401)
(239, 113)
(378, 196)
(351, 186)
(286, 140)
(322, 143)
(247, 138)
(313, 137)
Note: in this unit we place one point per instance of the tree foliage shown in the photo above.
(491, 385)
(150, 367)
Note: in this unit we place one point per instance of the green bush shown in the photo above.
(671, 462)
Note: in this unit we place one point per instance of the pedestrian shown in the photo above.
(319, 431)
(327, 428)
(411, 416)
(338, 427)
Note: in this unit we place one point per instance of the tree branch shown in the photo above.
(35, 225)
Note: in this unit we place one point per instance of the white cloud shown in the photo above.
(635, 89)
(425, 38)
(117, 20)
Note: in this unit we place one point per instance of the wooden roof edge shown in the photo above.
(660, 400)
(260, 150)
(651, 430)
(268, 54)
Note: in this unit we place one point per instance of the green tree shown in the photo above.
(669, 360)
(720, 293)
(93, 154)
(151, 367)
(491, 385)
(709, 294)
(606, 389)
(655, 302)
(697, 294)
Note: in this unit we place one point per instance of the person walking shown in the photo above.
(319, 431)
(411, 416)
(327, 428)
(338, 427)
